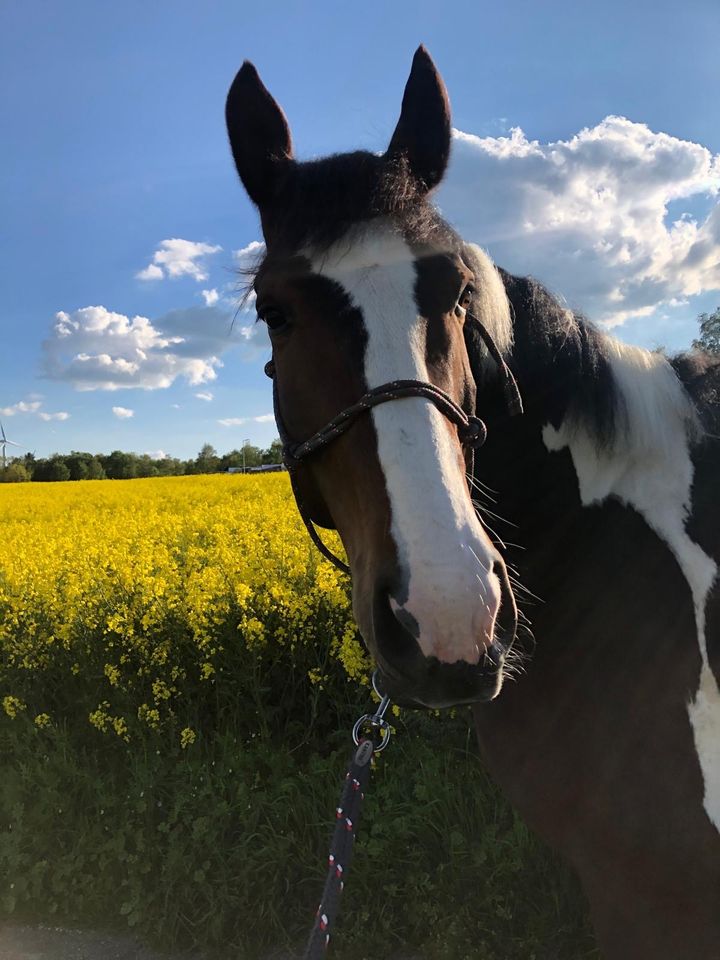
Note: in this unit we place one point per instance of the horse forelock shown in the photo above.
(341, 207)
(317, 203)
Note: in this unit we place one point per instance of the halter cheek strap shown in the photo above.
(472, 431)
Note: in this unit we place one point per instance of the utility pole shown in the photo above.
(245, 444)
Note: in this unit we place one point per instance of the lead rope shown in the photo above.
(347, 816)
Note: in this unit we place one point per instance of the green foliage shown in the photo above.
(223, 845)
(249, 456)
(709, 339)
(207, 460)
(15, 472)
(274, 452)
(119, 465)
(55, 469)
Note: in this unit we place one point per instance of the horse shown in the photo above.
(395, 344)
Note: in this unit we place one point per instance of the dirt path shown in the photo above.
(57, 943)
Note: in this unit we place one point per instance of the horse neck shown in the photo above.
(602, 420)
(604, 423)
(560, 367)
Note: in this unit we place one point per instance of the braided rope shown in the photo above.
(347, 816)
(471, 430)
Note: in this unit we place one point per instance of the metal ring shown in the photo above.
(378, 725)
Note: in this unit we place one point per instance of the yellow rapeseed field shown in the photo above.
(139, 605)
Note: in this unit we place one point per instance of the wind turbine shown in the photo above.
(5, 443)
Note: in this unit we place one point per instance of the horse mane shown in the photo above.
(574, 373)
(561, 360)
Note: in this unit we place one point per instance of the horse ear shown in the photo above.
(259, 134)
(423, 131)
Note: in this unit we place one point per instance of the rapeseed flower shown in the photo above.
(137, 606)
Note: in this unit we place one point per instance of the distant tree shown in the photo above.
(709, 339)
(57, 470)
(120, 466)
(38, 470)
(15, 472)
(207, 460)
(147, 467)
(78, 469)
(232, 459)
(169, 467)
(273, 454)
(95, 470)
(78, 464)
(252, 454)
(29, 462)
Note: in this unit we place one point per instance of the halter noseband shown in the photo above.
(472, 431)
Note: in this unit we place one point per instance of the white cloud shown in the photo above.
(33, 407)
(178, 258)
(151, 272)
(238, 421)
(61, 415)
(21, 407)
(250, 255)
(156, 454)
(589, 215)
(210, 297)
(123, 413)
(207, 396)
(96, 349)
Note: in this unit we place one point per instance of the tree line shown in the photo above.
(119, 465)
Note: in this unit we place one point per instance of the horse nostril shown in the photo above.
(406, 620)
(497, 569)
(395, 628)
(494, 655)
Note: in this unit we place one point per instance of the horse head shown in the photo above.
(363, 285)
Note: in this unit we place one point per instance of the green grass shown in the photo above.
(223, 846)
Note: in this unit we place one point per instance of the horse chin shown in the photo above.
(440, 686)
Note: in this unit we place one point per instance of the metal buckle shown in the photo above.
(381, 729)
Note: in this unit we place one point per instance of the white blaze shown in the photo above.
(443, 552)
(649, 468)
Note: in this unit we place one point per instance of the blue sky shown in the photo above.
(114, 144)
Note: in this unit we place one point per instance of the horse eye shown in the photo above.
(274, 318)
(466, 296)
